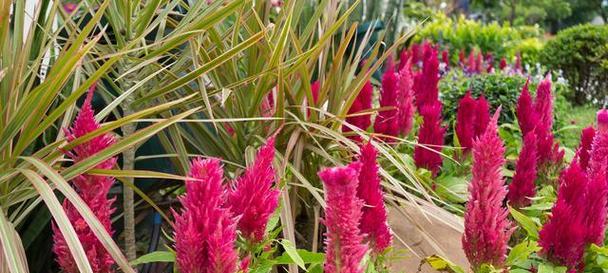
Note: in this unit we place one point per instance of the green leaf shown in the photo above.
(292, 252)
(442, 264)
(153, 257)
(521, 252)
(525, 222)
(549, 268)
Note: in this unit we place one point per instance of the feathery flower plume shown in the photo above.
(406, 102)
(584, 148)
(430, 135)
(599, 146)
(548, 150)
(362, 102)
(343, 243)
(461, 58)
(518, 67)
(526, 115)
(563, 237)
(465, 121)
(426, 81)
(479, 62)
(522, 188)
(205, 231)
(374, 220)
(387, 121)
(486, 226)
(483, 116)
(503, 63)
(94, 192)
(596, 199)
(254, 198)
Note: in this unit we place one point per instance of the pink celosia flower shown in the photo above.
(426, 81)
(584, 148)
(522, 188)
(461, 58)
(595, 201)
(205, 231)
(445, 58)
(548, 150)
(472, 64)
(315, 87)
(526, 115)
(518, 63)
(430, 136)
(465, 121)
(483, 116)
(563, 236)
(406, 99)
(479, 62)
(343, 243)
(93, 190)
(373, 221)
(486, 226)
(503, 63)
(387, 121)
(362, 103)
(599, 146)
(70, 7)
(254, 198)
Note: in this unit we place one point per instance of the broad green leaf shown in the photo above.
(153, 257)
(525, 222)
(521, 252)
(307, 257)
(292, 253)
(442, 264)
(549, 268)
(12, 249)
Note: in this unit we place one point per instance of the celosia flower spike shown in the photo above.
(486, 226)
(255, 198)
(374, 219)
(483, 116)
(584, 148)
(426, 81)
(205, 231)
(563, 237)
(343, 243)
(430, 136)
(526, 115)
(387, 121)
(362, 103)
(465, 121)
(406, 100)
(522, 188)
(94, 192)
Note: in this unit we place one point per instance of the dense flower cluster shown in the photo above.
(387, 121)
(430, 137)
(373, 221)
(205, 230)
(362, 102)
(584, 148)
(206, 227)
(254, 198)
(471, 119)
(94, 192)
(487, 228)
(344, 241)
(578, 217)
(523, 187)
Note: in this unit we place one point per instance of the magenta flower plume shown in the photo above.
(563, 237)
(486, 226)
(205, 231)
(426, 81)
(94, 192)
(596, 200)
(255, 198)
(315, 87)
(483, 116)
(526, 115)
(518, 67)
(406, 101)
(461, 58)
(387, 121)
(374, 220)
(599, 146)
(479, 62)
(362, 103)
(503, 63)
(584, 148)
(548, 150)
(445, 58)
(465, 121)
(522, 188)
(343, 243)
(430, 136)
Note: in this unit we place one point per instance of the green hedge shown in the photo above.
(581, 52)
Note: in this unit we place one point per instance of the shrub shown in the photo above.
(581, 52)
(464, 34)
(498, 88)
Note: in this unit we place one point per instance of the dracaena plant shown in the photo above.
(50, 57)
